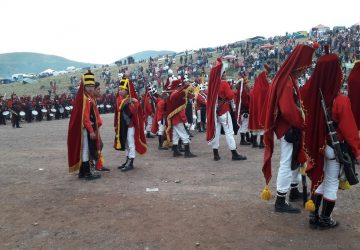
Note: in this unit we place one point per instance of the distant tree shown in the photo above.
(118, 63)
(131, 60)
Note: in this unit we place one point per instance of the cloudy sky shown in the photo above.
(102, 31)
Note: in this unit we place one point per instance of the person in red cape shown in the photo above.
(354, 92)
(176, 118)
(284, 118)
(100, 162)
(218, 116)
(257, 102)
(149, 109)
(158, 126)
(201, 100)
(83, 134)
(242, 109)
(129, 124)
(322, 167)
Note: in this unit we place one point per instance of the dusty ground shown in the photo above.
(201, 204)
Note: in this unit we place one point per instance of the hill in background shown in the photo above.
(26, 62)
(146, 54)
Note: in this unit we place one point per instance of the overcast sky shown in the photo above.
(102, 31)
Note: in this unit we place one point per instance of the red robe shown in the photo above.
(281, 112)
(226, 94)
(80, 118)
(354, 92)
(200, 100)
(148, 106)
(257, 101)
(160, 114)
(176, 110)
(133, 109)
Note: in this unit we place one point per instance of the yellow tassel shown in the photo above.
(344, 185)
(310, 206)
(266, 194)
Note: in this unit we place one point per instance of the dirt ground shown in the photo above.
(200, 204)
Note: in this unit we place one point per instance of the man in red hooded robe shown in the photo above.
(284, 118)
(257, 101)
(354, 92)
(322, 167)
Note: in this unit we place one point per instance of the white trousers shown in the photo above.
(179, 131)
(198, 115)
(161, 128)
(85, 146)
(244, 124)
(329, 187)
(149, 122)
(226, 122)
(286, 176)
(130, 143)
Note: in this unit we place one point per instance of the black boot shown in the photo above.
(188, 154)
(81, 171)
(88, 175)
(254, 141)
(295, 194)
(325, 220)
(216, 154)
(248, 137)
(261, 145)
(282, 206)
(199, 127)
(180, 146)
(243, 141)
(203, 125)
(176, 151)
(148, 135)
(123, 165)
(161, 142)
(129, 165)
(236, 156)
(314, 216)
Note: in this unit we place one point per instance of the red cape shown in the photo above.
(354, 92)
(74, 139)
(177, 103)
(327, 76)
(300, 58)
(138, 121)
(213, 90)
(257, 101)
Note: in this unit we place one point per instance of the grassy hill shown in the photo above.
(146, 54)
(26, 62)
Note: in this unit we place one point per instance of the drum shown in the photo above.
(34, 112)
(44, 111)
(71, 107)
(108, 106)
(101, 106)
(22, 113)
(67, 108)
(5, 113)
(51, 115)
(61, 110)
(53, 110)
